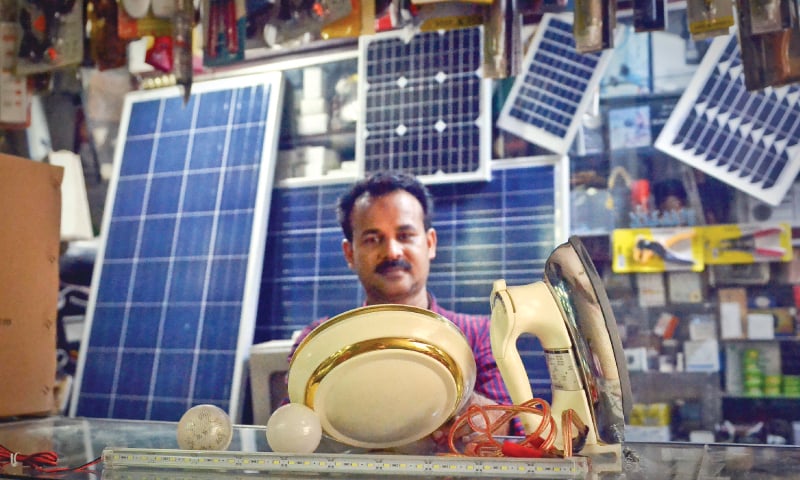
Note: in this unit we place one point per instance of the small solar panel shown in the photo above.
(175, 287)
(747, 139)
(554, 88)
(424, 107)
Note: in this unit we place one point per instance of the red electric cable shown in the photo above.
(534, 445)
(41, 461)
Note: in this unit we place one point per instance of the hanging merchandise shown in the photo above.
(447, 16)
(136, 20)
(14, 102)
(225, 26)
(106, 49)
(387, 15)
(159, 55)
(297, 20)
(595, 21)
(732, 244)
(770, 59)
(649, 15)
(182, 27)
(502, 49)
(52, 35)
(769, 41)
(765, 16)
(360, 21)
(709, 18)
(14, 92)
(657, 250)
(619, 194)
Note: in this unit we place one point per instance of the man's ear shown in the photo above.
(347, 249)
(431, 237)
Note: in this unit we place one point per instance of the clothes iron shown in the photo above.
(570, 314)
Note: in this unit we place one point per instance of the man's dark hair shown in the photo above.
(377, 185)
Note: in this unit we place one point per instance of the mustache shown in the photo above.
(390, 264)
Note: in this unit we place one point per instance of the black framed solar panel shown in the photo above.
(425, 108)
(747, 139)
(178, 273)
(554, 88)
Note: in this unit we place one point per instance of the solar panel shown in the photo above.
(424, 107)
(175, 288)
(554, 88)
(747, 139)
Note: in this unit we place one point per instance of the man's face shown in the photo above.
(391, 250)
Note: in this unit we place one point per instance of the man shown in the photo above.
(389, 243)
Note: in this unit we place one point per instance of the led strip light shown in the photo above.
(119, 461)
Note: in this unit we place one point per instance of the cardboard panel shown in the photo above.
(30, 195)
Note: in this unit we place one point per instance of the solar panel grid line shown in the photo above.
(212, 243)
(157, 352)
(532, 269)
(536, 102)
(317, 239)
(310, 278)
(757, 155)
(305, 227)
(762, 169)
(722, 78)
(768, 115)
(480, 264)
(738, 162)
(692, 139)
(565, 77)
(131, 285)
(265, 128)
(488, 272)
(789, 123)
(725, 141)
(488, 217)
(518, 191)
(720, 141)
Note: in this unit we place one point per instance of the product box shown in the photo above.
(657, 250)
(732, 312)
(30, 193)
(701, 355)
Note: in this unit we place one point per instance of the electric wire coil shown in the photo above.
(538, 444)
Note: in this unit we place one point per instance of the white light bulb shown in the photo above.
(293, 428)
(205, 427)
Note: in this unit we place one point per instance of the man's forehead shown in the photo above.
(400, 199)
(373, 210)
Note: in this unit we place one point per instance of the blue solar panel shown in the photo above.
(175, 288)
(554, 88)
(425, 108)
(747, 139)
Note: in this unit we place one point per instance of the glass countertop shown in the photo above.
(78, 441)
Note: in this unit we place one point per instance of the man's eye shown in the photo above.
(371, 240)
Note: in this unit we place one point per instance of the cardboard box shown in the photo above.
(30, 195)
(732, 312)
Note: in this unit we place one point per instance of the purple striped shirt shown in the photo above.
(489, 382)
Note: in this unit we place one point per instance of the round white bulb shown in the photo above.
(293, 428)
(205, 427)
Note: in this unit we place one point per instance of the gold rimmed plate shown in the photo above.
(383, 376)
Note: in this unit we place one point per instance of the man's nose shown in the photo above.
(394, 249)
